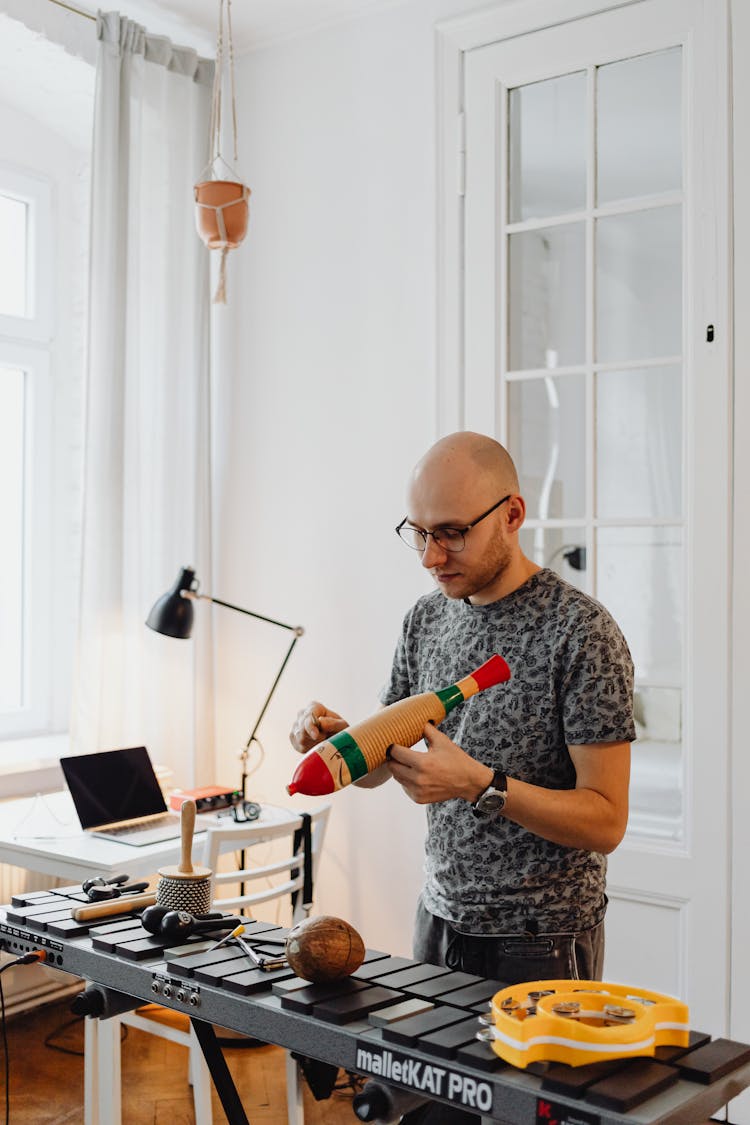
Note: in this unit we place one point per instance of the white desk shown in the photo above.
(73, 855)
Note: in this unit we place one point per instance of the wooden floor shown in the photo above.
(46, 1085)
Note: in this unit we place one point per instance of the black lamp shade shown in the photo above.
(172, 614)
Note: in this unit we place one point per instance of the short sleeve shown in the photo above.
(596, 682)
(397, 686)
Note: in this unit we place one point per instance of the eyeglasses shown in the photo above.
(451, 539)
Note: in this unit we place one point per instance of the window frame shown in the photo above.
(27, 343)
(37, 193)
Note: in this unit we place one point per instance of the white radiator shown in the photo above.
(29, 986)
(13, 880)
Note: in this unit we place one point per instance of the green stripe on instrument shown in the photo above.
(450, 697)
(351, 753)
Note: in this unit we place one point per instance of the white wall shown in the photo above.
(327, 402)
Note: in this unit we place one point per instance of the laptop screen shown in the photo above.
(113, 785)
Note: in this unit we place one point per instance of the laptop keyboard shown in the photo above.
(144, 826)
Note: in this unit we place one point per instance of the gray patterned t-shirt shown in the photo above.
(572, 684)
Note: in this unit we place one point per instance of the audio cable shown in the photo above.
(24, 959)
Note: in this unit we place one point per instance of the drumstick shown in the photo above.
(113, 906)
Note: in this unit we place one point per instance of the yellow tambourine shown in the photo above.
(581, 1021)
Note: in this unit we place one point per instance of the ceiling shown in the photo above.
(255, 23)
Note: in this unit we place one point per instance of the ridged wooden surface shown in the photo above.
(402, 722)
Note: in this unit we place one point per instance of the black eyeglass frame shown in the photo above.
(437, 532)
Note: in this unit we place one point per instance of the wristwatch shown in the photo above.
(492, 800)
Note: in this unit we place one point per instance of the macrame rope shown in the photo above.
(220, 296)
(217, 93)
(231, 75)
(215, 125)
(224, 47)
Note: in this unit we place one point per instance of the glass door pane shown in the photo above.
(546, 428)
(639, 443)
(639, 126)
(547, 318)
(639, 285)
(639, 579)
(13, 255)
(12, 484)
(547, 147)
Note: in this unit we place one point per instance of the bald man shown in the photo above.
(526, 785)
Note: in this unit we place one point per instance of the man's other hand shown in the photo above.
(314, 724)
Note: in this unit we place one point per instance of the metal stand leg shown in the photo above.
(222, 1079)
(102, 1104)
(294, 1104)
(199, 1078)
(90, 1071)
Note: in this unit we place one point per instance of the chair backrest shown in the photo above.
(280, 877)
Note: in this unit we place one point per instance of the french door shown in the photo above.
(592, 338)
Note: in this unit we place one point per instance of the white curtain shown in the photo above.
(147, 458)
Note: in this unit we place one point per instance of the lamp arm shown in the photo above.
(269, 697)
(298, 632)
(264, 708)
(297, 629)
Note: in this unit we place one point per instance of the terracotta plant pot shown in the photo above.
(221, 212)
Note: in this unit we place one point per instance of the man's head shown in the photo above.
(460, 478)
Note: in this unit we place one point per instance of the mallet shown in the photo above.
(185, 887)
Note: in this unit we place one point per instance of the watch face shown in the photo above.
(491, 802)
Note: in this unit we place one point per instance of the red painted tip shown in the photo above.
(493, 671)
(311, 777)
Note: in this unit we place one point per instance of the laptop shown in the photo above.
(117, 796)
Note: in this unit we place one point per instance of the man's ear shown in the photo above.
(515, 513)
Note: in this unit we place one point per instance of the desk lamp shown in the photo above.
(172, 615)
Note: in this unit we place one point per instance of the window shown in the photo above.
(12, 449)
(26, 455)
(14, 230)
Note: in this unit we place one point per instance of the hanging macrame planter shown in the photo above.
(221, 199)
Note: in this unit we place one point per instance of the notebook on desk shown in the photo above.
(117, 796)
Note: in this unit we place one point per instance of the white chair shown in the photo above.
(281, 877)
(291, 866)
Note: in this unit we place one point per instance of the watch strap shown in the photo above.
(499, 782)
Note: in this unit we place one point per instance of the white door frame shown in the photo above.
(740, 920)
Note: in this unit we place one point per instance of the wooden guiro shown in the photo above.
(361, 748)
